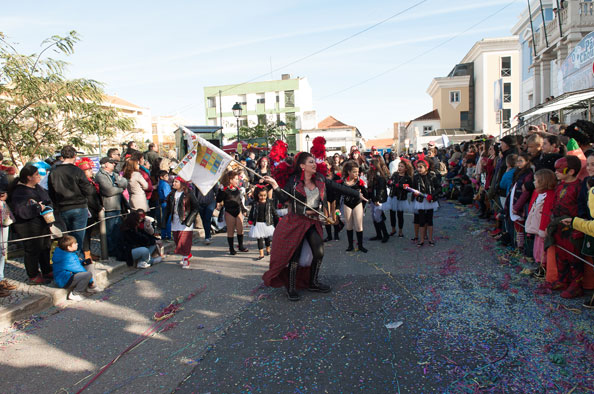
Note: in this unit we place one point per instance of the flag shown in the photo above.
(204, 164)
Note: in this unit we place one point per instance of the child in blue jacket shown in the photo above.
(164, 188)
(69, 272)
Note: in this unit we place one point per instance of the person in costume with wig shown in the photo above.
(425, 204)
(304, 189)
(182, 209)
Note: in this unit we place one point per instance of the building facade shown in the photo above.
(546, 45)
(339, 136)
(264, 102)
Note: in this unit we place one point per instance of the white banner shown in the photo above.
(204, 164)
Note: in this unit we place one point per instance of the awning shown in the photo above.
(565, 101)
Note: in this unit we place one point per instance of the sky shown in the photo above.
(160, 55)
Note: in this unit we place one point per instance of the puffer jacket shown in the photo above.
(111, 188)
(66, 264)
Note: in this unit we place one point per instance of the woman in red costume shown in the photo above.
(307, 187)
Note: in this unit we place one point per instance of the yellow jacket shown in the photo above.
(583, 225)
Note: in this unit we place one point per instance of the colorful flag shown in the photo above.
(204, 164)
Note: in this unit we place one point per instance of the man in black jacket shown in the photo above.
(68, 187)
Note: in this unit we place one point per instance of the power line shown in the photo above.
(330, 46)
(419, 55)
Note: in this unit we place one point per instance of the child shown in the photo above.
(399, 196)
(182, 209)
(353, 206)
(6, 219)
(569, 269)
(377, 186)
(539, 215)
(69, 269)
(467, 193)
(263, 218)
(164, 189)
(230, 197)
(505, 184)
(519, 196)
(425, 182)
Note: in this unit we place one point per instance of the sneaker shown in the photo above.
(186, 264)
(74, 296)
(38, 280)
(207, 241)
(94, 289)
(156, 260)
(539, 273)
(143, 265)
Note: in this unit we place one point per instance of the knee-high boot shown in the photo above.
(231, 248)
(378, 232)
(292, 293)
(350, 239)
(240, 242)
(360, 241)
(329, 232)
(384, 231)
(314, 285)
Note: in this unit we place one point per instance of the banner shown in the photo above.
(204, 164)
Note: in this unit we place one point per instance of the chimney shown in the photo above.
(285, 76)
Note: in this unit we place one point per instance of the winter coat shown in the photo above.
(136, 189)
(396, 186)
(186, 218)
(65, 265)
(164, 188)
(132, 239)
(584, 225)
(378, 191)
(111, 188)
(22, 208)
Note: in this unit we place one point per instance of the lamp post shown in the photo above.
(237, 113)
(307, 140)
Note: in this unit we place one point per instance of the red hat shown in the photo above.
(85, 164)
(181, 180)
(373, 148)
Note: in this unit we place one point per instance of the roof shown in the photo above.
(379, 143)
(565, 101)
(119, 101)
(204, 129)
(433, 115)
(331, 123)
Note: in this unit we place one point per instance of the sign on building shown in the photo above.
(576, 71)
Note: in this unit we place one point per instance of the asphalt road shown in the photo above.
(457, 317)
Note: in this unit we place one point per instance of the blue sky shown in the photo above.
(160, 55)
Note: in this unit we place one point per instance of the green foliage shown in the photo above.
(41, 110)
(271, 131)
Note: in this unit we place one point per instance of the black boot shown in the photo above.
(350, 239)
(378, 232)
(314, 285)
(384, 231)
(292, 293)
(360, 241)
(240, 242)
(231, 248)
(329, 232)
(336, 231)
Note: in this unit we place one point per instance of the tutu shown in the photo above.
(401, 205)
(424, 205)
(261, 230)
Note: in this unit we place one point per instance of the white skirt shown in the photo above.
(261, 230)
(401, 205)
(425, 205)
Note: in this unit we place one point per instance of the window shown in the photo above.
(277, 98)
(260, 98)
(427, 129)
(155, 129)
(212, 102)
(455, 96)
(506, 118)
(507, 97)
(262, 120)
(243, 121)
(242, 100)
(506, 66)
(290, 120)
(289, 98)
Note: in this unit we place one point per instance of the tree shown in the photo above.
(269, 131)
(41, 110)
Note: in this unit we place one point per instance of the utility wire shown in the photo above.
(329, 46)
(419, 55)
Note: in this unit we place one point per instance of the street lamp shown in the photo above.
(237, 113)
(282, 125)
(307, 140)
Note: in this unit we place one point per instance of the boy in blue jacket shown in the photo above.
(69, 272)
(164, 188)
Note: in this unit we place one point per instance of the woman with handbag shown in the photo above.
(28, 201)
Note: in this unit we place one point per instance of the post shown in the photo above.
(559, 20)
(103, 235)
(589, 110)
(544, 24)
(531, 28)
(221, 117)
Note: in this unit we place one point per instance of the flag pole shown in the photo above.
(284, 191)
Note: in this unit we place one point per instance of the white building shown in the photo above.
(339, 136)
(417, 129)
(287, 100)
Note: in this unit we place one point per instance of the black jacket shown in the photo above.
(68, 187)
(396, 188)
(22, 207)
(188, 217)
(271, 215)
(378, 191)
(427, 184)
(132, 239)
(298, 206)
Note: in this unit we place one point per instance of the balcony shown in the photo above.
(578, 16)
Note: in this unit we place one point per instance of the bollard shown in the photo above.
(103, 235)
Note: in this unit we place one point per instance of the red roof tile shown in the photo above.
(331, 123)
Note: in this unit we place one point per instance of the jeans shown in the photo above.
(3, 249)
(206, 216)
(76, 219)
(112, 227)
(143, 253)
(165, 227)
